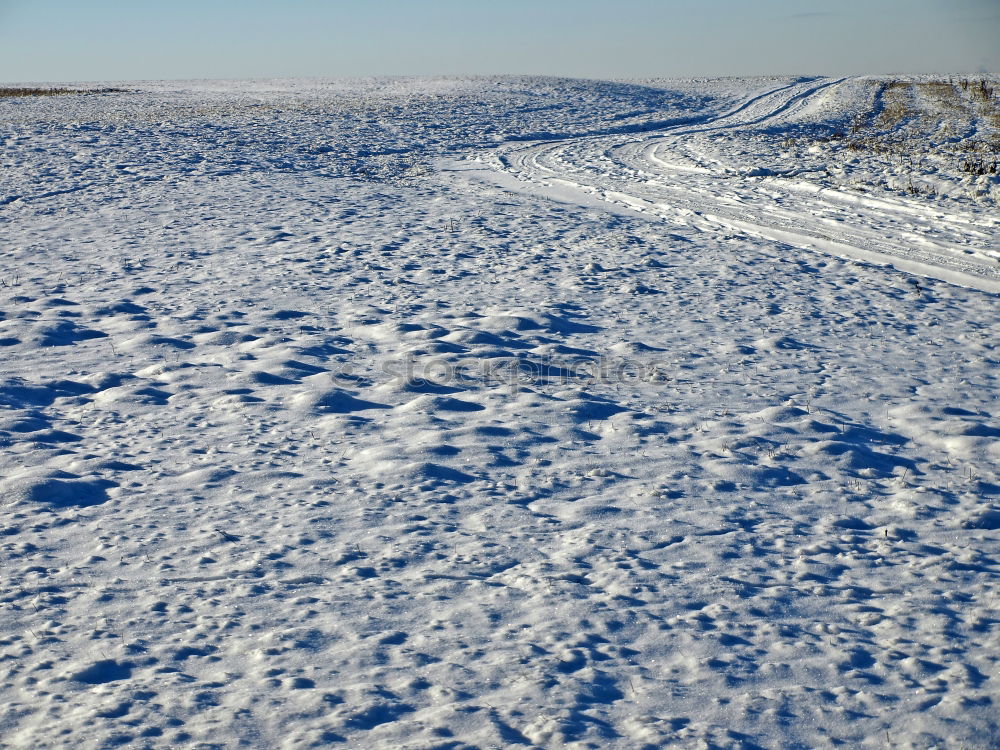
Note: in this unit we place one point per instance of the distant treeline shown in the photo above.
(12, 91)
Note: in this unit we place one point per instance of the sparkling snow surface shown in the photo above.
(479, 413)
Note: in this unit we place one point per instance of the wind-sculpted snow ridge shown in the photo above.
(378, 446)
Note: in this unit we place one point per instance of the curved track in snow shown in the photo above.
(676, 174)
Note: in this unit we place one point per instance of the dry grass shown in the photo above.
(922, 103)
(925, 135)
(943, 96)
(980, 165)
(896, 99)
(981, 90)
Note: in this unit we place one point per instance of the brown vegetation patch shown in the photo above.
(8, 92)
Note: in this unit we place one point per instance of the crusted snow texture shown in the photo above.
(498, 412)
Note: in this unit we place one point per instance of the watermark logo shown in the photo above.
(513, 372)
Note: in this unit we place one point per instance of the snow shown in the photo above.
(486, 412)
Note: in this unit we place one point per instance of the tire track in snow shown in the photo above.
(630, 170)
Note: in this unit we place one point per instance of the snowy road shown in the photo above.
(677, 175)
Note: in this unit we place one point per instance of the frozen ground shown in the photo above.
(476, 413)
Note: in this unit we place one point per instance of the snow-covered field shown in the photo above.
(498, 412)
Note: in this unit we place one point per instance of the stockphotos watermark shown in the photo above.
(512, 371)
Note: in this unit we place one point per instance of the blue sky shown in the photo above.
(79, 40)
